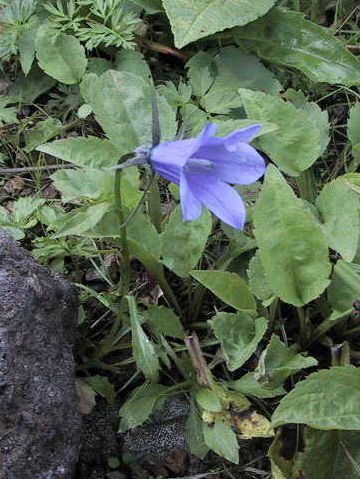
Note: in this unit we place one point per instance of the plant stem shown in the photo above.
(154, 205)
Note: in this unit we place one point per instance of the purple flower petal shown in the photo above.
(190, 205)
(241, 136)
(220, 198)
(168, 159)
(208, 132)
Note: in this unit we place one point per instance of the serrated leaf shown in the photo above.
(88, 152)
(184, 241)
(83, 184)
(191, 20)
(239, 335)
(139, 406)
(202, 71)
(122, 105)
(229, 287)
(341, 230)
(235, 70)
(221, 439)
(277, 362)
(344, 288)
(194, 433)
(164, 321)
(249, 386)
(297, 143)
(60, 56)
(143, 349)
(132, 62)
(327, 399)
(284, 37)
(292, 246)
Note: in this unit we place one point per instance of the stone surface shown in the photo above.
(40, 426)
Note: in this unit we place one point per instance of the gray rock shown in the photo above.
(40, 426)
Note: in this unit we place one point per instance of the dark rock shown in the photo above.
(40, 426)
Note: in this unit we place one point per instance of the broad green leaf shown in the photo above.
(354, 130)
(142, 232)
(27, 88)
(184, 241)
(191, 20)
(102, 386)
(140, 405)
(176, 96)
(221, 439)
(297, 143)
(142, 348)
(194, 433)
(193, 120)
(235, 70)
(239, 335)
(319, 118)
(208, 400)
(122, 105)
(164, 321)
(27, 48)
(330, 454)
(98, 65)
(88, 152)
(226, 127)
(249, 386)
(277, 362)
(284, 37)
(292, 246)
(24, 209)
(60, 56)
(327, 399)
(132, 62)
(43, 131)
(341, 230)
(78, 221)
(344, 288)
(281, 467)
(83, 184)
(229, 287)
(8, 114)
(258, 282)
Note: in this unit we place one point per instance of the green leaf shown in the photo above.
(24, 209)
(249, 386)
(284, 37)
(327, 399)
(236, 70)
(150, 6)
(277, 363)
(138, 407)
(297, 143)
(201, 72)
(334, 454)
(132, 62)
(239, 335)
(8, 114)
(191, 20)
(27, 89)
(79, 221)
(258, 282)
(193, 120)
(341, 230)
(184, 241)
(354, 131)
(229, 287)
(27, 48)
(89, 152)
(194, 433)
(226, 127)
(221, 439)
(102, 386)
(83, 184)
(42, 132)
(164, 321)
(208, 400)
(143, 349)
(344, 288)
(292, 246)
(122, 105)
(60, 56)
